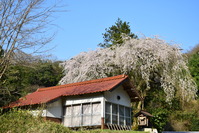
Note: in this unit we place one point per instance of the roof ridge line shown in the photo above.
(83, 83)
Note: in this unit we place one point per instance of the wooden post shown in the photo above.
(102, 123)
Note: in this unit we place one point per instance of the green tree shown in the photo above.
(13, 83)
(19, 80)
(193, 64)
(160, 118)
(113, 35)
(47, 73)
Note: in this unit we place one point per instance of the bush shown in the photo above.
(20, 121)
(160, 118)
(189, 120)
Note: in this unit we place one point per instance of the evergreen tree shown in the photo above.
(113, 35)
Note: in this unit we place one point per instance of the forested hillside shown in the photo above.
(23, 78)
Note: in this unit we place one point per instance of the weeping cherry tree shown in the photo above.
(146, 61)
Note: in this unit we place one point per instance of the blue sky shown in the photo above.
(80, 28)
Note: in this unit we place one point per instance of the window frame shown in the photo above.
(91, 114)
(124, 116)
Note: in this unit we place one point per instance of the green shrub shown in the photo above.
(20, 121)
(194, 124)
(190, 119)
(160, 118)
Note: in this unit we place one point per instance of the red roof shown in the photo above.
(44, 95)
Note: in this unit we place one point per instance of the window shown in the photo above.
(121, 115)
(114, 114)
(108, 112)
(86, 114)
(76, 113)
(117, 114)
(128, 116)
(96, 114)
(68, 110)
(83, 115)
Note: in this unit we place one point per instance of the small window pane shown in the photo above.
(107, 118)
(114, 119)
(108, 107)
(96, 120)
(67, 121)
(86, 120)
(76, 121)
(86, 109)
(121, 120)
(114, 109)
(68, 111)
(96, 108)
(76, 110)
(121, 110)
(127, 112)
(128, 121)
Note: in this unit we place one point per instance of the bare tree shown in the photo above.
(23, 26)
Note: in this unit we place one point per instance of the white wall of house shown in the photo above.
(112, 96)
(54, 109)
(84, 99)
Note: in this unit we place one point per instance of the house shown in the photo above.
(101, 103)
